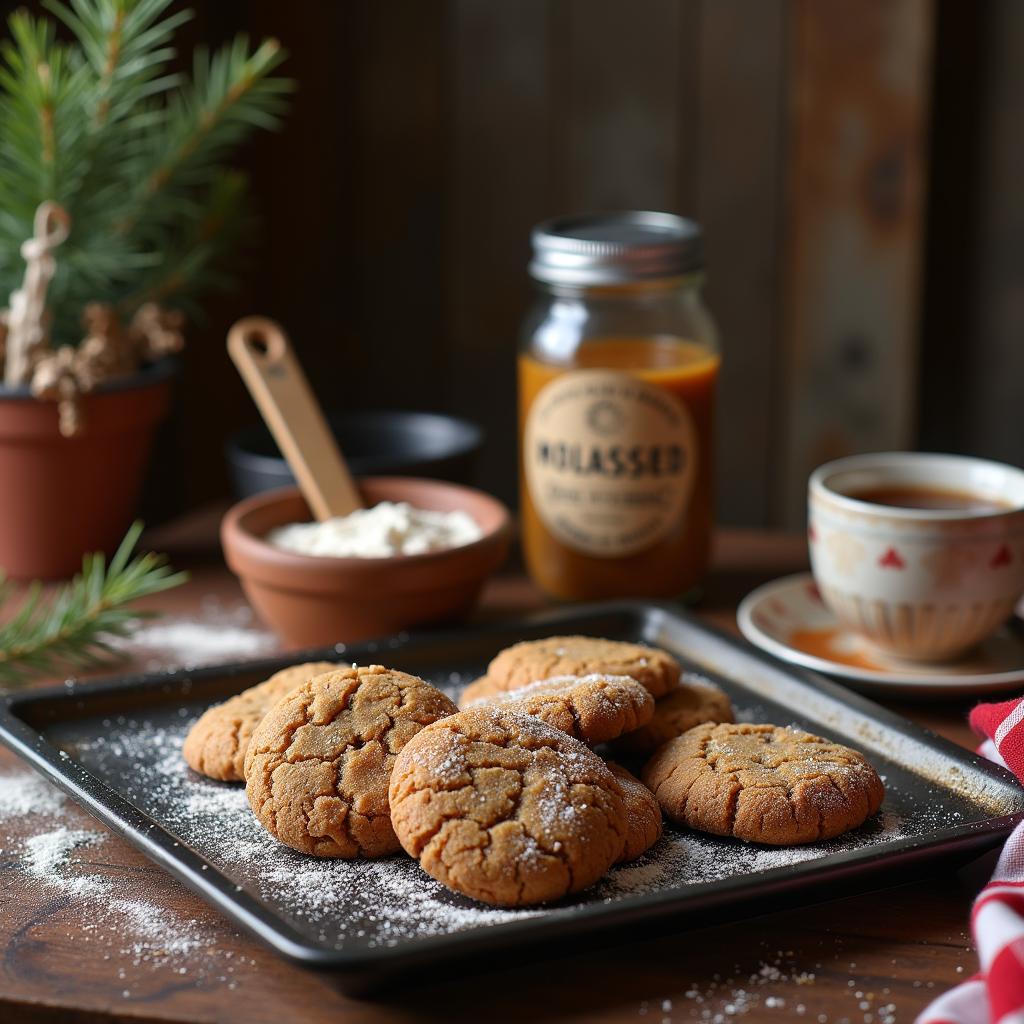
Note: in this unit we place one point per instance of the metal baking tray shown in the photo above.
(115, 748)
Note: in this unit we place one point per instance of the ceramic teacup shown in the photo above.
(924, 584)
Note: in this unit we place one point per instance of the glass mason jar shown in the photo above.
(617, 374)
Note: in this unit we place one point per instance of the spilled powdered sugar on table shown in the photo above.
(217, 634)
(56, 847)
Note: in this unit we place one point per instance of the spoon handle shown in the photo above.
(260, 350)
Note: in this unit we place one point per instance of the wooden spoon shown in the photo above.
(260, 350)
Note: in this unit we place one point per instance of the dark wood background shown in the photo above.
(855, 164)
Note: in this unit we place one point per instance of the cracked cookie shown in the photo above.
(643, 815)
(506, 809)
(763, 784)
(694, 701)
(216, 744)
(527, 662)
(319, 763)
(594, 708)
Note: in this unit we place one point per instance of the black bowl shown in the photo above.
(379, 443)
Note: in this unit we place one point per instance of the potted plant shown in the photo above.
(115, 208)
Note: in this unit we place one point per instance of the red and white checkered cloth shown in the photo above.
(995, 995)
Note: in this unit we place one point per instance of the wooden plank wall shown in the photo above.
(856, 173)
(739, 152)
(428, 136)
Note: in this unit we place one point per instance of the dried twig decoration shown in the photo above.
(55, 379)
(107, 351)
(156, 332)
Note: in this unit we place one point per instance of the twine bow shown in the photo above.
(108, 350)
(26, 318)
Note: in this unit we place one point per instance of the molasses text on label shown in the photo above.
(613, 461)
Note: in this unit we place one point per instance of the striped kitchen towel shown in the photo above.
(995, 995)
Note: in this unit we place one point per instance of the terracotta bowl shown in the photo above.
(310, 599)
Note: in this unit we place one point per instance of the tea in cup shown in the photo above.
(922, 554)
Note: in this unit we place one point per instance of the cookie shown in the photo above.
(216, 744)
(531, 660)
(763, 784)
(478, 690)
(319, 763)
(594, 709)
(694, 701)
(643, 815)
(505, 808)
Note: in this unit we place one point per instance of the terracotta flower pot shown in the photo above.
(63, 497)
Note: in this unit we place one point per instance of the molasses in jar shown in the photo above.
(617, 376)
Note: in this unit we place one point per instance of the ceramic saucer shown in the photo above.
(787, 618)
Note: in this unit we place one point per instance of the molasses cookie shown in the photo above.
(594, 708)
(643, 815)
(319, 763)
(506, 809)
(532, 660)
(478, 690)
(763, 784)
(694, 701)
(216, 744)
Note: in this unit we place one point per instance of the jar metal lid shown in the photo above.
(614, 248)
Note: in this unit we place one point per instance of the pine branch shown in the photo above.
(231, 93)
(42, 101)
(134, 152)
(127, 47)
(74, 628)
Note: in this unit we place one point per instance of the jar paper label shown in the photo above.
(610, 461)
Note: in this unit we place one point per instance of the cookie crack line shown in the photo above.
(444, 818)
(574, 714)
(821, 809)
(356, 743)
(732, 807)
(236, 728)
(507, 742)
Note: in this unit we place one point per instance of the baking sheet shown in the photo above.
(115, 748)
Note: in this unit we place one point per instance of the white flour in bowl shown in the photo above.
(388, 529)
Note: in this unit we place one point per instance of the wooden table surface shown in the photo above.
(872, 958)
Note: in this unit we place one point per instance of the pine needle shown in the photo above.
(75, 627)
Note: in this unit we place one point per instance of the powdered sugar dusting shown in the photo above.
(691, 858)
(390, 901)
(554, 685)
(376, 902)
